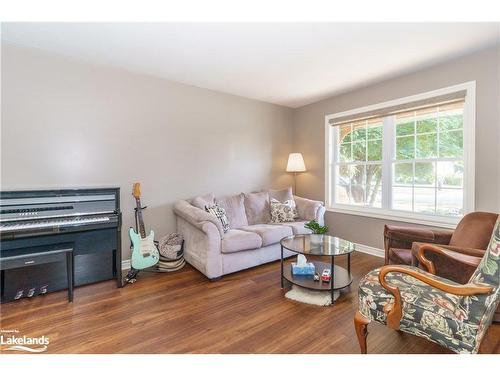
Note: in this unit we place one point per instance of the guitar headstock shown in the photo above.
(136, 191)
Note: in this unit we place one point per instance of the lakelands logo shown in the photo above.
(11, 340)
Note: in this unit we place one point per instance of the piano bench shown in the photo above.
(42, 255)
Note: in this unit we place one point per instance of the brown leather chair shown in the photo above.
(470, 238)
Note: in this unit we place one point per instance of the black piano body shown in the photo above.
(89, 219)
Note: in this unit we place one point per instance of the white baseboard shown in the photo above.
(126, 264)
(370, 250)
(359, 247)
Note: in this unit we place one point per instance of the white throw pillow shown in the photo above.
(257, 208)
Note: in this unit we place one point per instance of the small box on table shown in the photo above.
(305, 269)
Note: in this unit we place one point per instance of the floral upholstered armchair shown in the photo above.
(409, 299)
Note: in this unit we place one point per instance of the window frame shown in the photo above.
(469, 116)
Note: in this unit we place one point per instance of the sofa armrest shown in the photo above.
(196, 216)
(320, 215)
(309, 209)
(202, 246)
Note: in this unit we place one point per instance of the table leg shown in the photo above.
(282, 284)
(69, 272)
(332, 290)
(349, 264)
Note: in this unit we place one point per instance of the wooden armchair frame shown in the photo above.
(467, 256)
(395, 311)
(470, 257)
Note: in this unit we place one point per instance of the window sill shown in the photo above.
(433, 221)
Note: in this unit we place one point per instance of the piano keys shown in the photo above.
(58, 223)
(89, 219)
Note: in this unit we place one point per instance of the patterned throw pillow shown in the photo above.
(283, 212)
(220, 213)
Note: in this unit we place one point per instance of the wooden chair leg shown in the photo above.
(490, 343)
(360, 323)
(496, 317)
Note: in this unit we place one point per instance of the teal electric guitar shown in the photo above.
(144, 254)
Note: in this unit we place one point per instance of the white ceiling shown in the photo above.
(291, 64)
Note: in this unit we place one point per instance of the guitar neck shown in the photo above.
(140, 220)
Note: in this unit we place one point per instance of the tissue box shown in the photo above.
(307, 269)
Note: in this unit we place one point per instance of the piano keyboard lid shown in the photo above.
(29, 205)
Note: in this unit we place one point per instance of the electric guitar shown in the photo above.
(144, 254)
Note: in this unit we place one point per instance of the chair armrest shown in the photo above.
(479, 253)
(309, 209)
(466, 256)
(395, 313)
(196, 216)
(411, 234)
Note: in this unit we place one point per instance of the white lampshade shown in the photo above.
(295, 163)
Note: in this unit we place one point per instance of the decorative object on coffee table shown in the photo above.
(314, 226)
(302, 266)
(324, 246)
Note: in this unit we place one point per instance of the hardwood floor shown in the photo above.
(183, 312)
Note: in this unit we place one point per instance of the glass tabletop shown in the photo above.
(317, 244)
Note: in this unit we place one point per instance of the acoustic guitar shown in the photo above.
(144, 253)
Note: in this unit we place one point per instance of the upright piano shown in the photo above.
(87, 219)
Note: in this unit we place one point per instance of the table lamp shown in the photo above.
(295, 164)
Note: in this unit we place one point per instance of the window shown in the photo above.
(410, 159)
(359, 163)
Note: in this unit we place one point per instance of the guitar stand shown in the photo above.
(132, 274)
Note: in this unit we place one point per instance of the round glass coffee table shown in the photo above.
(318, 245)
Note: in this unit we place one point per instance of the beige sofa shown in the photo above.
(251, 240)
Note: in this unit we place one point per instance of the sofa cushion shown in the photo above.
(307, 208)
(257, 208)
(281, 195)
(270, 233)
(203, 200)
(235, 210)
(298, 227)
(238, 240)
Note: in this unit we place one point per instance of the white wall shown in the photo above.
(67, 123)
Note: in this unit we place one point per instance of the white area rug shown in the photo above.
(311, 297)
